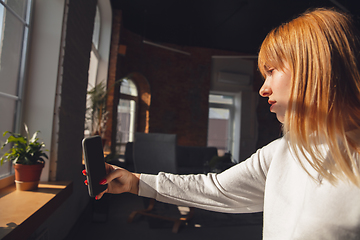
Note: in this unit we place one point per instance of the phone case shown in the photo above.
(94, 164)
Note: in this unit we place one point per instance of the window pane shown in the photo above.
(128, 87)
(221, 99)
(7, 106)
(5, 169)
(125, 124)
(18, 6)
(219, 120)
(10, 51)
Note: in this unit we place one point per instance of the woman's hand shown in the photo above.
(119, 180)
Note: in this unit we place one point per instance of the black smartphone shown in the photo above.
(94, 164)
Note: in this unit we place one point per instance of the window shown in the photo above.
(14, 30)
(93, 68)
(221, 120)
(126, 115)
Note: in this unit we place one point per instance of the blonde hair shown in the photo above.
(321, 48)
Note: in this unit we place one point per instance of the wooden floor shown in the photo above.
(108, 220)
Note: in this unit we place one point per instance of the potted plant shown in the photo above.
(27, 155)
(97, 112)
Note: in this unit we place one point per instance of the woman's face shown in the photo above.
(277, 88)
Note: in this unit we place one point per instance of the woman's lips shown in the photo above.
(272, 103)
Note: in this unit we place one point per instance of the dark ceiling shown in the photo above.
(235, 25)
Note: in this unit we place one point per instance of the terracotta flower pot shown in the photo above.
(27, 177)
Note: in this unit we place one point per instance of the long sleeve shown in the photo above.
(239, 189)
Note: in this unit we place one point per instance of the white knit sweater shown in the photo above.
(295, 206)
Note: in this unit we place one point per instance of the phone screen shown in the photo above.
(94, 164)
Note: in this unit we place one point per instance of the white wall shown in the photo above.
(43, 68)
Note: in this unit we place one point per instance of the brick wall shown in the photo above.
(179, 86)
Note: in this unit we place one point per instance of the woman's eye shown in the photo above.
(269, 71)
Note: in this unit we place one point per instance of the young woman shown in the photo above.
(308, 182)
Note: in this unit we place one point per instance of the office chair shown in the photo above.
(154, 153)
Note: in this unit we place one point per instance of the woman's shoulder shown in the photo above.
(275, 144)
(267, 153)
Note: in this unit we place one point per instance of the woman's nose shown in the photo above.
(265, 90)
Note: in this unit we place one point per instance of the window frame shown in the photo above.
(18, 98)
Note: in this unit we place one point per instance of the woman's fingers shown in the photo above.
(109, 169)
(99, 196)
(114, 185)
(119, 180)
(103, 181)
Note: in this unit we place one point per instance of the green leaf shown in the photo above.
(34, 137)
(18, 140)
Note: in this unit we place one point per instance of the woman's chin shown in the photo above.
(280, 118)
